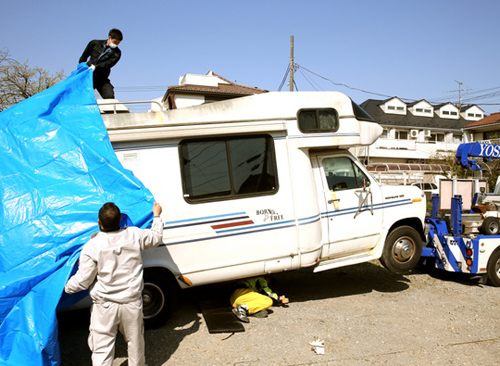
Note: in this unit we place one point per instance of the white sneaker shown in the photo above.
(241, 313)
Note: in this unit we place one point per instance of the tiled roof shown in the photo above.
(488, 120)
(437, 106)
(223, 89)
(467, 106)
(372, 107)
(416, 102)
(230, 89)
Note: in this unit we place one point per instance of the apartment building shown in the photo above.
(418, 131)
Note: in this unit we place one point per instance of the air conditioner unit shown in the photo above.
(414, 134)
(427, 133)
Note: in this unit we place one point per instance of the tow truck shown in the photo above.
(456, 245)
(487, 204)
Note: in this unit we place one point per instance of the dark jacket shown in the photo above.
(103, 64)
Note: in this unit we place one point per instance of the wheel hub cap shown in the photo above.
(403, 250)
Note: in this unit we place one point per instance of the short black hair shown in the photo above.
(110, 217)
(116, 34)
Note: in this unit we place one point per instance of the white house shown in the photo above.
(416, 132)
(485, 129)
(196, 89)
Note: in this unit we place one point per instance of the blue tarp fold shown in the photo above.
(57, 168)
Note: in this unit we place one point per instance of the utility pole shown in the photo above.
(292, 65)
(459, 95)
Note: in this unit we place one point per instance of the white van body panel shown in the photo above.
(302, 223)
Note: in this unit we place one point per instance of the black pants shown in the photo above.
(106, 90)
(104, 87)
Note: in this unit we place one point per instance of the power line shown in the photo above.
(344, 85)
(284, 77)
(470, 93)
(309, 80)
(466, 99)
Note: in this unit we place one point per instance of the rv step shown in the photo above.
(341, 262)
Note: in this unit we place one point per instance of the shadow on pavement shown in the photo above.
(300, 285)
(465, 279)
(161, 343)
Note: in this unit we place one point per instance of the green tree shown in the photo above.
(19, 81)
(490, 171)
(450, 168)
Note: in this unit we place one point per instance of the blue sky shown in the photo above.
(410, 49)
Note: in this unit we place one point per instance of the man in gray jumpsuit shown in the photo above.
(111, 265)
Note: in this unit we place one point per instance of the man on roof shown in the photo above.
(101, 56)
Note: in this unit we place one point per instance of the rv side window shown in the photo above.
(318, 120)
(341, 174)
(228, 168)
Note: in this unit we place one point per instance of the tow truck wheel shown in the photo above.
(402, 250)
(493, 268)
(490, 226)
(159, 297)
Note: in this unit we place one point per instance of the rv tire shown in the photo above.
(490, 226)
(159, 297)
(402, 250)
(493, 268)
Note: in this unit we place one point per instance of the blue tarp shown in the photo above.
(57, 168)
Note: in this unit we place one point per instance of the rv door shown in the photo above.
(350, 201)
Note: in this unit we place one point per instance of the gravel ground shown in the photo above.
(365, 315)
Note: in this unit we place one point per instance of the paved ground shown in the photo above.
(365, 315)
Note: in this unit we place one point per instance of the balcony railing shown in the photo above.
(408, 149)
(415, 145)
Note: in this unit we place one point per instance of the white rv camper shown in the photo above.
(263, 184)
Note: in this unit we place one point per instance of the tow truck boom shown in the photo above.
(477, 150)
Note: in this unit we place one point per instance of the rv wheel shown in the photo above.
(159, 297)
(402, 250)
(490, 226)
(493, 268)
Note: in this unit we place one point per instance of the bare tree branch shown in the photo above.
(18, 81)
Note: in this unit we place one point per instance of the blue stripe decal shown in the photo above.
(208, 222)
(271, 226)
(202, 220)
(314, 218)
(253, 230)
(281, 224)
(377, 206)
